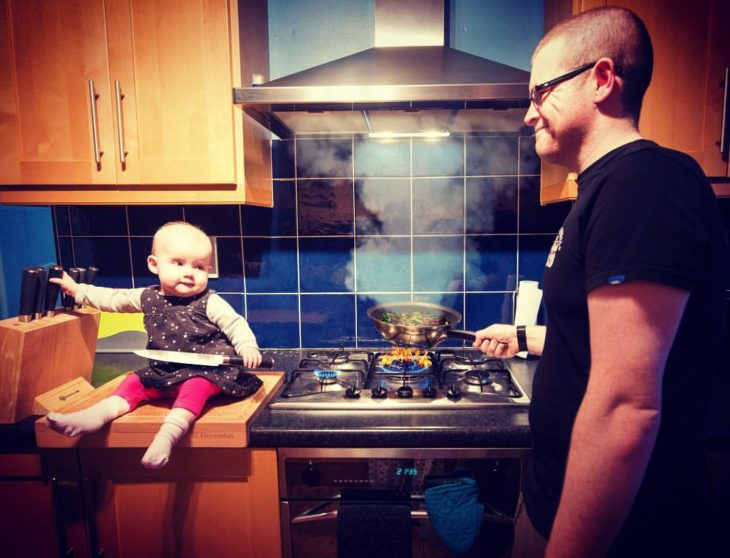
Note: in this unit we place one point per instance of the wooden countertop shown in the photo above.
(224, 422)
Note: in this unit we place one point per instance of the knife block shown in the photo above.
(40, 355)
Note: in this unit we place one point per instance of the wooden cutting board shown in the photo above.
(223, 423)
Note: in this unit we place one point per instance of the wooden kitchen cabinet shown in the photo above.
(683, 107)
(130, 101)
(205, 502)
(41, 513)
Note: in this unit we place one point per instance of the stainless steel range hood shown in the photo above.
(409, 83)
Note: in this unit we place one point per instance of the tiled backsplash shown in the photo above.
(355, 222)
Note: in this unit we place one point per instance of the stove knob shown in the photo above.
(379, 392)
(352, 393)
(405, 392)
(453, 393)
(429, 392)
(310, 475)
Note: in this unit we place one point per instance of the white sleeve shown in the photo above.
(110, 300)
(231, 323)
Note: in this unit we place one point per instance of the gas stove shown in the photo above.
(371, 380)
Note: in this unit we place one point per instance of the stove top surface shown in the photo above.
(370, 380)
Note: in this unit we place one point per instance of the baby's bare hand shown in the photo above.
(67, 284)
(251, 358)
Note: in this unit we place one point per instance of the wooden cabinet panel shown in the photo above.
(176, 78)
(52, 76)
(163, 73)
(205, 502)
(41, 513)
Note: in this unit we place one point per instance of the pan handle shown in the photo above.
(461, 334)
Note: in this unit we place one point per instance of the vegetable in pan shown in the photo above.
(413, 318)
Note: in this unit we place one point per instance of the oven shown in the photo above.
(316, 485)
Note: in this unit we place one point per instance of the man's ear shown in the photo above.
(152, 263)
(605, 72)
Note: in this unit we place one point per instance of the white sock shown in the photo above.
(88, 420)
(176, 424)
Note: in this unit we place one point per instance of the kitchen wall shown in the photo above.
(355, 222)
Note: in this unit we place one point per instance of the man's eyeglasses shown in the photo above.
(536, 93)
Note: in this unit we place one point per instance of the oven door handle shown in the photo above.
(307, 516)
(314, 515)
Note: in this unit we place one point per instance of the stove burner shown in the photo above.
(477, 377)
(404, 367)
(326, 376)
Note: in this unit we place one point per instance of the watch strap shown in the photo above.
(522, 338)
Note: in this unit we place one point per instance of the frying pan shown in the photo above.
(423, 336)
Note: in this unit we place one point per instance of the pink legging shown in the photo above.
(190, 394)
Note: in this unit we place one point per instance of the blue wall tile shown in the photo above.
(215, 220)
(438, 206)
(282, 158)
(438, 263)
(491, 263)
(383, 264)
(534, 250)
(491, 205)
(320, 158)
(328, 320)
(146, 219)
(271, 265)
(382, 158)
(109, 254)
(383, 206)
(230, 266)
(438, 157)
(487, 156)
(97, 220)
(483, 309)
(325, 207)
(326, 265)
(274, 320)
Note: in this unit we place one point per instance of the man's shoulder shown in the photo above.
(645, 156)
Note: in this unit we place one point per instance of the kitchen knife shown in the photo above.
(199, 359)
(40, 294)
(54, 272)
(28, 287)
(91, 272)
(68, 300)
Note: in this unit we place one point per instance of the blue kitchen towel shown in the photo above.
(455, 513)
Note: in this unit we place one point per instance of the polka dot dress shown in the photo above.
(182, 324)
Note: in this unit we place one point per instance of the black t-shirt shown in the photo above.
(643, 213)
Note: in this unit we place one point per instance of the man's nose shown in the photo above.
(531, 115)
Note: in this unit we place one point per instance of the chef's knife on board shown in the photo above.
(28, 287)
(54, 272)
(199, 359)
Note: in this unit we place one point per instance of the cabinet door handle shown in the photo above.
(120, 124)
(93, 96)
(725, 137)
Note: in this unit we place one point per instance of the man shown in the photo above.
(633, 289)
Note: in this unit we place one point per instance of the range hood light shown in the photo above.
(397, 135)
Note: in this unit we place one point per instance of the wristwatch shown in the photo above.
(522, 338)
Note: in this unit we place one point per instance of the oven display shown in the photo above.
(406, 472)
